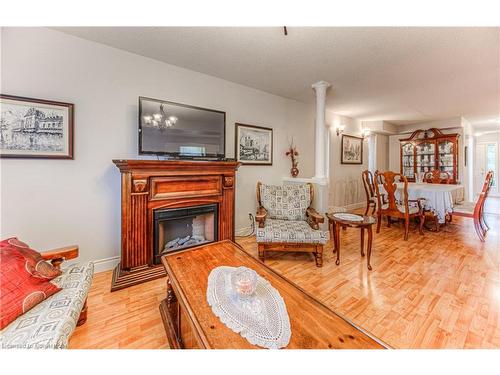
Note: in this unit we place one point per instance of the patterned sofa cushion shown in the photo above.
(50, 324)
(287, 202)
(290, 231)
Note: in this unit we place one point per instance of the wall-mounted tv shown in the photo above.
(180, 131)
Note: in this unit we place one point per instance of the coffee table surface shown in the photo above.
(313, 324)
(367, 220)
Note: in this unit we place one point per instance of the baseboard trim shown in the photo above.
(243, 231)
(106, 264)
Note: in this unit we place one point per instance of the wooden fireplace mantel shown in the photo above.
(147, 185)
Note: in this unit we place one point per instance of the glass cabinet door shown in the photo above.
(446, 153)
(426, 157)
(407, 160)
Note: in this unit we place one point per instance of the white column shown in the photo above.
(320, 131)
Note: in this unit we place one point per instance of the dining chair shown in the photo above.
(475, 210)
(437, 177)
(391, 207)
(371, 200)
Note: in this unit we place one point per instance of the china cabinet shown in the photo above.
(427, 150)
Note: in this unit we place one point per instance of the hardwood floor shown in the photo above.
(439, 290)
(127, 318)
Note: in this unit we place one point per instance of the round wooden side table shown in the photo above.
(336, 221)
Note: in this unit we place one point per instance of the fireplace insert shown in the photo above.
(182, 228)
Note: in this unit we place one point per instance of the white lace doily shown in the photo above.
(262, 320)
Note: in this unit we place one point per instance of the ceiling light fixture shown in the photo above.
(160, 120)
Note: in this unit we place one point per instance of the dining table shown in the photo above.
(438, 198)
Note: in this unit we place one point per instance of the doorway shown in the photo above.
(486, 159)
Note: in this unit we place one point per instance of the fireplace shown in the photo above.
(162, 196)
(182, 228)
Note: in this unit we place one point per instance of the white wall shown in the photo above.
(346, 186)
(382, 152)
(51, 203)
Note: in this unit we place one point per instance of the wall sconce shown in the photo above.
(340, 129)
(366, 132)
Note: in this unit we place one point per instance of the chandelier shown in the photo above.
(160, 120)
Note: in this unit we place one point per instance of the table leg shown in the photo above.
(369, 250)
(362, 241)
(334, 235)
(337, 243)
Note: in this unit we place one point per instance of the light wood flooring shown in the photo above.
(439, 290)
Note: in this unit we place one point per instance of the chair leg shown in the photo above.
(319, 255)
(379, 222)
(422, 222)
(437, 223)
(388, 221)
(261, 252)
(483, 223)
(407, 228)
(83, 315)
(477, 227)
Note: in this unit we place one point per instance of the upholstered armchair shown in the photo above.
(287, 222)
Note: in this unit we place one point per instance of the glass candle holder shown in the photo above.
(244, 282)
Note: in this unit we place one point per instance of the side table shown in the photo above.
(341, 220)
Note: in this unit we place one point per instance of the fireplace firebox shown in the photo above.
(182, 228)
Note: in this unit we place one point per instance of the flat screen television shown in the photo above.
(180, 131)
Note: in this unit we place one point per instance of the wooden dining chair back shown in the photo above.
(369, 186)
(392, 206)
(475, 210)
(437, 177)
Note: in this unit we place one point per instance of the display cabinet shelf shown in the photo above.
(427, 150)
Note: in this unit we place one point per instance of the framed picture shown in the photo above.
(35, 128)
(253, 145)
(351, 150)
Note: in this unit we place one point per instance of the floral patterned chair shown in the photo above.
(286, 222)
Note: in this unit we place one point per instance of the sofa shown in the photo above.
(50, 324)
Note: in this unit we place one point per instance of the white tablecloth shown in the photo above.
(439, 198)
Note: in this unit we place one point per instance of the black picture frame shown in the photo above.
(42, 127)
(343, 157)
(240, 149)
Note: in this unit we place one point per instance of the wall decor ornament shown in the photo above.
(293, 154)
(253, 145)
(351, 150)
(35, 128)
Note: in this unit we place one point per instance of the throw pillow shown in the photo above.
(36, 265)
(19, 290)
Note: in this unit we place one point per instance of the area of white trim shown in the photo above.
(302, 180)
(106, 264)
(243, 231)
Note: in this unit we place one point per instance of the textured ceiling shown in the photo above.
(394, 74)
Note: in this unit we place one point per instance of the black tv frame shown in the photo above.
(177, 155)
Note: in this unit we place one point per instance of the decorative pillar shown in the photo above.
(320, 131)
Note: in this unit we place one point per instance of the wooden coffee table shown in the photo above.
(190, 322)
(334, 225)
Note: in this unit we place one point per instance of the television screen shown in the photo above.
(167, 128)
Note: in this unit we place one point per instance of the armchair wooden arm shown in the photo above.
(260, 216)
(314, 218)
(57, 256)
